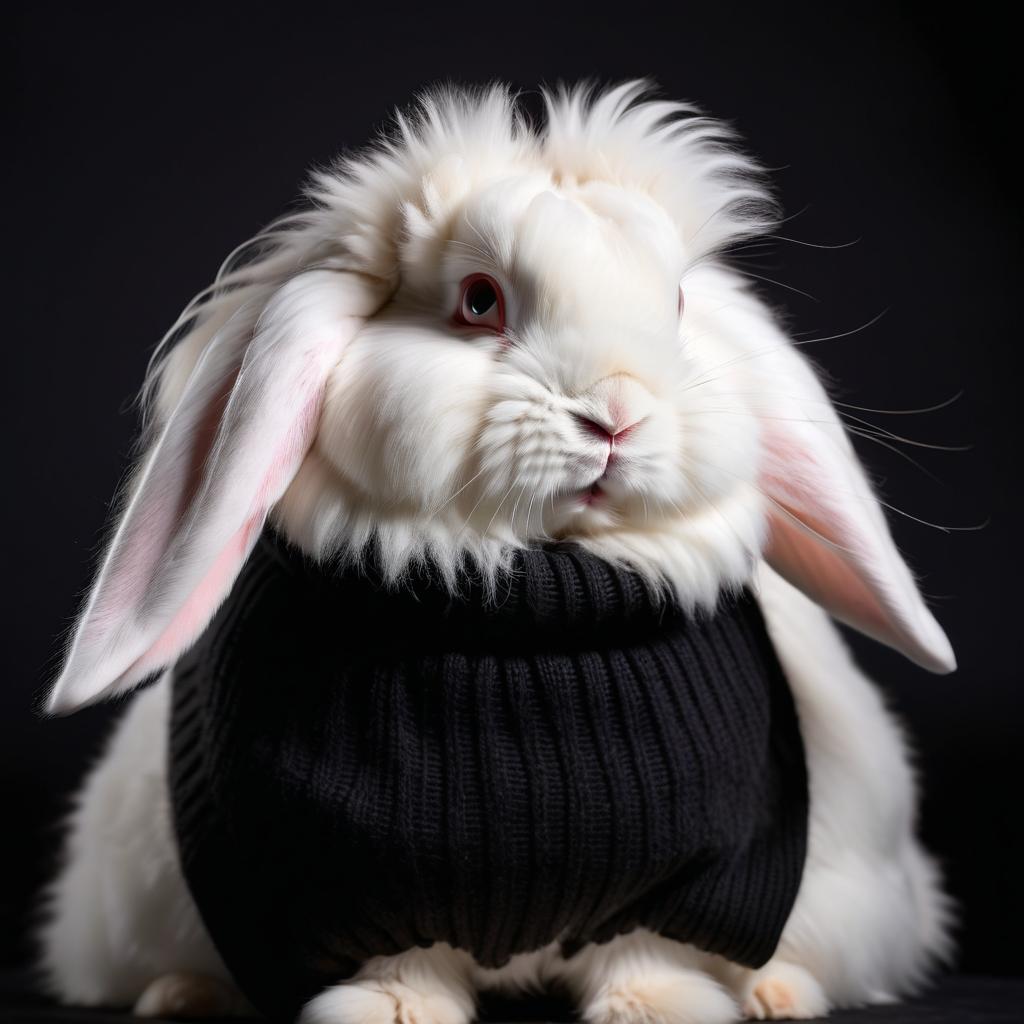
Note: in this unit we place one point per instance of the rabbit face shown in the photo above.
(573, 420)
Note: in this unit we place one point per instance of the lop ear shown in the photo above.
(226, 453)
(827, 532)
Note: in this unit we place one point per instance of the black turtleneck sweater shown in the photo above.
(356, 771)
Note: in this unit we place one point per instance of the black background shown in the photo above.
(144, 146)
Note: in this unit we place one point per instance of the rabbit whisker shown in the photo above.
(515, 508)
(746, 356)
(778, 284)
(494, 515)
(885, 504)
(945, 404)
(451, 497)
(879, 438)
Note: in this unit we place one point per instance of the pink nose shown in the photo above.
(604, 433)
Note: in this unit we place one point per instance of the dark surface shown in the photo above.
(144, 144)
(954, 1000)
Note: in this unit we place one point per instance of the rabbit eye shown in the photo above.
(682, 302)
(481, 298)
(481, 303)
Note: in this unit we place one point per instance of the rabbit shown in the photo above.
(481, 334)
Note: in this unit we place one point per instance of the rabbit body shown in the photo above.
(474, 341)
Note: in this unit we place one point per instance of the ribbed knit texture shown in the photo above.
(357, 771)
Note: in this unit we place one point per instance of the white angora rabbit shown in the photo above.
(434, 361)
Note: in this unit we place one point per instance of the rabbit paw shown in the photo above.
(782, 991)
(384, 1001)
(188, 996)
(676, 997)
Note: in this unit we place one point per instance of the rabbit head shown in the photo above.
(480, 335)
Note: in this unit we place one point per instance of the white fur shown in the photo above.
(119, 914)
(436, 442)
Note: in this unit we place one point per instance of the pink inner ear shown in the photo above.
(195, 613)
(812, 542)
(193, 616)
(822, 574)
(830, 539)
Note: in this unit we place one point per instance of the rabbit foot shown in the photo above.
(669, 997)
(385, 1001)
(783, 991)
(190, 996)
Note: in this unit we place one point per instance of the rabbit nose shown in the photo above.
(612, 408)
(603, 432)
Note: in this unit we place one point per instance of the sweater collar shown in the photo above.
(559, 588)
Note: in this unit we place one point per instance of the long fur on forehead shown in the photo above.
(685, 161)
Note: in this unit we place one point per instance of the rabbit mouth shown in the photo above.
(592, 495)
(580, 498)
